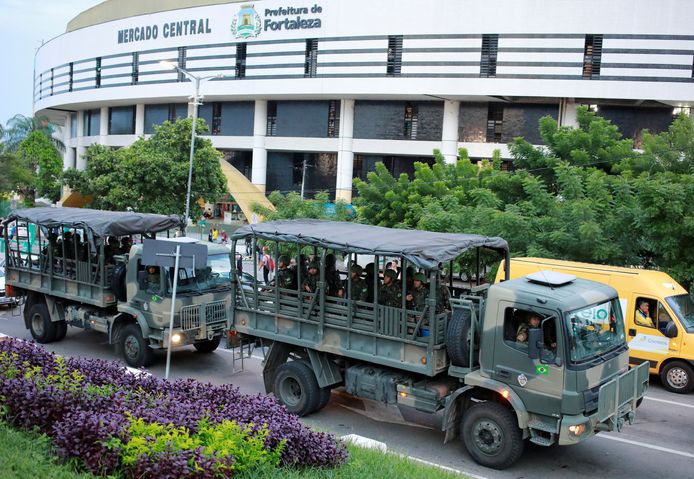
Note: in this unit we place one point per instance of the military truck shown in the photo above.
(80, 267)
(540, 359)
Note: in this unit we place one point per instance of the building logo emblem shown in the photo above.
(246, 23)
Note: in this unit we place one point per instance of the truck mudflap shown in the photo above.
(617, 398)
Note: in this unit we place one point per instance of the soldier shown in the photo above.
(126, 242)
(389, 293)
(153, 279)
(312, 278)
(286, 277)
(419, 293)
(332, 278)
(443, 295)
(522, 332)
(360, 291)
(370, 270)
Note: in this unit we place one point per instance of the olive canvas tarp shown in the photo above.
(100, 223)
(425, 249)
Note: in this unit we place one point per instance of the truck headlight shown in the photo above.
(176, 338)
(577, 429)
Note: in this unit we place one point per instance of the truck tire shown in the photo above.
(677, 377)
(42, 329)
(491, 435)
(118, 282)
(207, 346)
(133, 346)
(325, 394)
(61, 330)
(296, 387)
(457, 341)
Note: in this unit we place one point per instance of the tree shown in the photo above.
(291, 206)
(151, 175)
(20, 126)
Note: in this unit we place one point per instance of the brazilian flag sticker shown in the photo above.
(541, 369)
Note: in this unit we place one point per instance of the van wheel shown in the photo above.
(61, 330)
(42, 329)
(491, 435)
(677, 377)
(457, 337)
(133, 347)
(207, 346)
(296, 387)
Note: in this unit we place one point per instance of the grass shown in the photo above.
(24, 455)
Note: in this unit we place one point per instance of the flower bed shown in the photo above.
(139, 426)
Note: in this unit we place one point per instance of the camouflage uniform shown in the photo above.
(360, 290)
(419, 295)
(286, 277)
(311, 280)
(390, 294)
(443, 296)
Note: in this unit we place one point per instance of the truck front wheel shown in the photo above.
(42, 329)
(296, 387)
(677, 377)
(491, 435)
(208, 345)
(134, 347)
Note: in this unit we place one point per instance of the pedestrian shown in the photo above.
(215, 234)
(225, 237)
(249, 246)
(209, 236)
(266, 264)
(239, 264)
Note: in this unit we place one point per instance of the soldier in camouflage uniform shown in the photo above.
(417, 297)
(443, 295)
(286, 277)
(522, 333)
(332, 278)
(389, 293)
(312, 278)
(370, 271)
(360, 290)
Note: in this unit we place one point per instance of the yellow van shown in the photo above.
(658, 314)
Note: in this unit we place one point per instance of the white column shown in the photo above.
(345, 154)
(80, 162)
(139, 119)
(567, 113)
(449, 131)
(103, 125)
(259, 165)
(69, 155)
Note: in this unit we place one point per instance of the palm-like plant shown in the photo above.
(19, 126)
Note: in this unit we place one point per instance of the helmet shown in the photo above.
(391, 273)
(356, 269)
(284, 259)
(313, 265)
(369, 269)
(419, 277)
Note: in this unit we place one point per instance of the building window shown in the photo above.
(495, 123)
(121, 120)
(240, 60)
(311, 58)
(73, 125)
(97, 79)
(135, 76)
(181, 62)
(411, 121)
(52, 77)
(592, 56)
(682, 110)
(394, 63)
(271, 118)
(333, 119)
(91, 122)
(72, 70)
(490, 49)
(216, 118)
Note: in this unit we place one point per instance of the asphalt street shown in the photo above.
(659, 445)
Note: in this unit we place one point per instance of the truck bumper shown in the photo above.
(616, 406)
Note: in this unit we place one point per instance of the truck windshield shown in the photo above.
(214, 275)
(683, 306)
(594, 330)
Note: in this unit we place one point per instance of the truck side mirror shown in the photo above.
(671, 330)
(536, 342)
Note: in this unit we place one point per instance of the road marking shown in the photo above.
(648, 446)
(670, 402)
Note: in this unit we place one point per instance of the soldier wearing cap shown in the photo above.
(312, 278)
(389, 293)
(286, 277)
(417, 297)
(360, 290)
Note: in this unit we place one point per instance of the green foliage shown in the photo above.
(151, 175)
(20, 126)
(291, 206)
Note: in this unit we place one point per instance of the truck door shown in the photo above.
(531, 379)
(647, 321)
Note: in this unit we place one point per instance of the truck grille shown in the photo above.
(212, 313)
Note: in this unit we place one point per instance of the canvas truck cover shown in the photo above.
(425, 249)
(100, 223)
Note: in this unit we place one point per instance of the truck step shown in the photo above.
(550, 426)
(542, 439)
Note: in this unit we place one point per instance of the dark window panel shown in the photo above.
(271, 118)
(91, 122)
(181, 62)
(121, 120)
(334, 119)
(592, 57)
(241, 50)
(495, 123)
(135, 76)
(394, 56)
(490, 50)
(311, 58)
(97, 79)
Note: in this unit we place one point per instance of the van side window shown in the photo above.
(516, 325)
(663, 318)
(644, 314)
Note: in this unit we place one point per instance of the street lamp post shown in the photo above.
(195, 102)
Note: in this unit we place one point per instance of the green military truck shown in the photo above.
(541, 358)
(79, 267)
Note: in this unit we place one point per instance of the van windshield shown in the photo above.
(594, 330)
(683, 306)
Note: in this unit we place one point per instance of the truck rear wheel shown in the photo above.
(61, 330)
(296, 387)
(457, 337)
(42, 329)
(325, 394)
(677, 377)
(134, 347)
(208, 345)
(491, 435)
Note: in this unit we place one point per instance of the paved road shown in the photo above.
(660, 444)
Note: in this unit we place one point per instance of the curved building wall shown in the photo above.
(385, 79)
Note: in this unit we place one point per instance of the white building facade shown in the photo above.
(340, 85)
